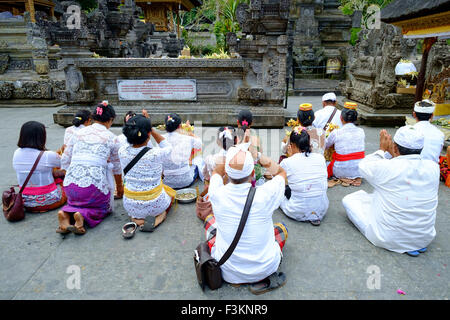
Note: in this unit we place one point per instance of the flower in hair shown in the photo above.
(244, 123)
(99, 111)
(169, 118)
(299, 129)
(105, 103)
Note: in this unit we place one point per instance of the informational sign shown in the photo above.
(158, 89)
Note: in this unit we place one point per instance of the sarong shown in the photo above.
(45, 198)
(343, 157)
(93, 205)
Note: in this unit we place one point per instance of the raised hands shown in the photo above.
(386, 143)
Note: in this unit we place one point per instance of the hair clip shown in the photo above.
(99, 111)
(139, 134)
(79, 118)
(105, 103)
(169, 118)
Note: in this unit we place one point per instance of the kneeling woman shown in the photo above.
(146, 199)
(307, 180)
(349, 146)
(91, 159)
(178, 173)
(43, 192)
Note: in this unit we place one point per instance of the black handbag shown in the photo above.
(206, 267)
(13, 206)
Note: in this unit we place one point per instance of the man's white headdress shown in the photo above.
(248, 167)
(409, 137)
(425, 106)
(329, 96)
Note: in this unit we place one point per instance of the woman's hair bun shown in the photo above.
(136, 129)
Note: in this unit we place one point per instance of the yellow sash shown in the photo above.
(151, 194)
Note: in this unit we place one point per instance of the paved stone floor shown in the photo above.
(328, 262)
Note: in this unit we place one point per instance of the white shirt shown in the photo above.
(257, 254)
(93, 147)
(403, 209)
(145, 176)
(177, 171)
(348, 139)
(307, 178)
(23, 161)
(434, 140)
(321, 117)
(70, 131)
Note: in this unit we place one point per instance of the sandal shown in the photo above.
(61, 231)
(76, 230)
(274, 281)
(129, 230)
(149, 224)
(333, 182)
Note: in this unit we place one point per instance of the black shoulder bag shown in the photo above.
(135, 160)
(207, 268)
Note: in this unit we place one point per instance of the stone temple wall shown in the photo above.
(29, 74)
(218, 90)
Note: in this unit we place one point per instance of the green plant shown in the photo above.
(354, 35)
(223, 15)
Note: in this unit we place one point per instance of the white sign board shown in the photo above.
(157, 89)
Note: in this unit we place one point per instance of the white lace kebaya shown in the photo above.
(89, 155)
(177, 171)
(145, 176)
(69, 132)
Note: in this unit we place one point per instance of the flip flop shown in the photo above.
(274, 281)
(315, 223)
(149, 224)
(129, 230)
(75, 230)
(61, 231)
(414, 253)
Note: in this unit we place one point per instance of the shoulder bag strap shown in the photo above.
(31, 171)
(135, 160)
(331, 118)
(233, 245)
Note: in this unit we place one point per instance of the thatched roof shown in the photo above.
(409, 9)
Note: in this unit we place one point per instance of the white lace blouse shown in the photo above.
(346, 140)
(70, 132)
(145, 176)
(87, 157)
(177, 171)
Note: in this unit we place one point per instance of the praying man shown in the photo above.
(400, 215)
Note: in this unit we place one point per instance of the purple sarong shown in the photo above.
(93, 205)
